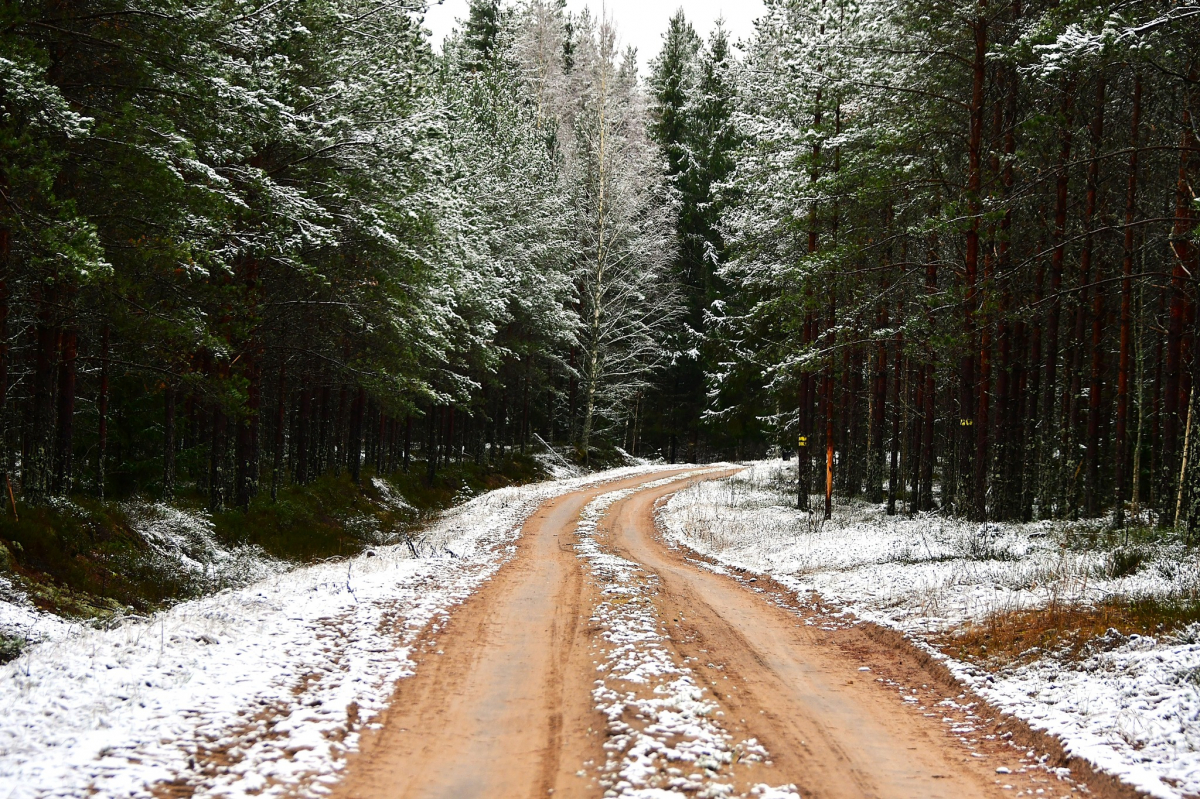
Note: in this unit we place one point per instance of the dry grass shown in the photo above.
(1065, 631)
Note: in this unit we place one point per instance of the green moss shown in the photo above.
(10, 647)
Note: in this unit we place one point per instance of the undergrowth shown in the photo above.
(1067, 632)
(86, 559)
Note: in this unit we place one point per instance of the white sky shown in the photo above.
(640, 23)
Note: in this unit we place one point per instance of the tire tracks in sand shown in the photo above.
(502, 703)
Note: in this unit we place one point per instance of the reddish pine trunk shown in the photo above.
(1005, 428)
(1033, 375)
(828, 399)
(1181, 249)
(1092, 488)
(968, 402)
(928, 455)
(1056, 274)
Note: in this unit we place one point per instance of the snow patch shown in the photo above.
(1131, 709)
(262, 689)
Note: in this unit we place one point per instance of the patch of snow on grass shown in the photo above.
(1132, 708)
(186, 542)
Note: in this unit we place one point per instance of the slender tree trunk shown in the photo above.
(1182, 269)
(878, 416)
(5, 461)
(431, 455)
(169, 441)
(407, 440)
(216, 461)
(355, 444)
(1053, 315)
(246, 447)
(829, 431)
(102, 408)
(1091, 487)
(303, 427)
(64, 447)
(280, 421)
(36, 471)
(894, 446)
(1127, 305)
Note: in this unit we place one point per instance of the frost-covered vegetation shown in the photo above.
(95, 563)
(1082, 630)
(249, 245)
(260, 690)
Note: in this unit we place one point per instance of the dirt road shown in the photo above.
(501, 704)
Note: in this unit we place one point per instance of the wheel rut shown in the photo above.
(503, 700)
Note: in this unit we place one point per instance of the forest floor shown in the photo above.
(563, 638)
(80, 560)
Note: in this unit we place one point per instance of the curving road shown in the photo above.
(501, 706)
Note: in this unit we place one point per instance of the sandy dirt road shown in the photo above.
(501, 706)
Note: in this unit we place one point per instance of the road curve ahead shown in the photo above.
(501, 705)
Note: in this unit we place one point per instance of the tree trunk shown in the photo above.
(355, 444)
(216, 462)
(102, 408)
(303, 427)
(970, 406)
(169, 442)
(1092, 477)
(1055, 312)
(5, 461)
(280, 421)
(246, 457)
(1127, 306)
(407, 440)
(36, 470)
(894, 446)
(1181, 250)
(65, 444)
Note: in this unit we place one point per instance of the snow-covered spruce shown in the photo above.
(265, 688)
(678, 749)
(1132, 708)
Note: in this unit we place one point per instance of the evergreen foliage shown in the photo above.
(248, 244)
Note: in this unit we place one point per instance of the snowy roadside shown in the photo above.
(259, 690)
(676, 746)
(1131, 707)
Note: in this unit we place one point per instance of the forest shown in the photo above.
(941, 252)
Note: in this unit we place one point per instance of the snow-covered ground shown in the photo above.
(680, 748)
(1132, 707)
(261, 689)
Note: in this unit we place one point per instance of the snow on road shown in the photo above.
(262, 689)
(675, 746)
(1132, 707)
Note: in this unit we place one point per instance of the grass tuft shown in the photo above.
(1068, 632)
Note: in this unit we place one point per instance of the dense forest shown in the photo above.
(943, 250)
(961, 254)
